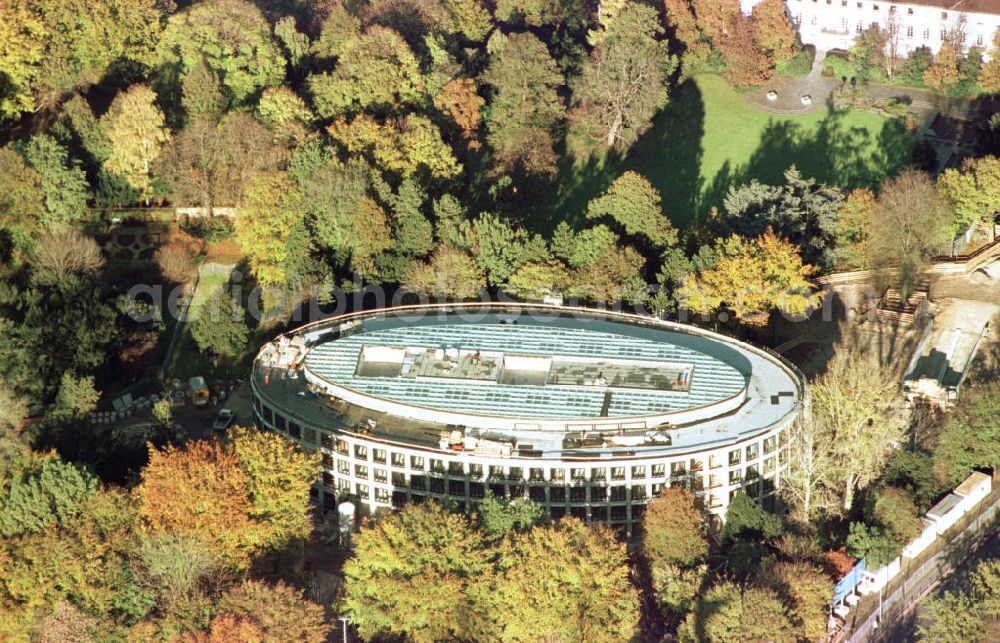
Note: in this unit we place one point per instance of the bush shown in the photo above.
(176, 261)
(800, 64)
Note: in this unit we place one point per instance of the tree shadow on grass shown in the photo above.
(834, 152)
(668, 154)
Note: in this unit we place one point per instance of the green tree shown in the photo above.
(801, 211)
(408, 146)
(137, 132)
(375, 71)
(163, 413)
(973, 192)
(873, 543)
(727, 613)
(496, 248)
(854, 403)
(42, 491)
(635, 205)
(231, 38)
(201, 94)
(496, 517)
(280, 476)
(269, 211)
(280, 105)
(409, 573)
(624, 82)
(969, 438)
(583, 575)
(450, 272)
(22, 48)
(615, 276)
(525, 109)
(220, 327)
(966, 616)
(76, 398)
(21, 204)
(64, 183)
(893, 508)
(751, 277)
(539, 279)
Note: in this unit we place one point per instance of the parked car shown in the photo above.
(223, 420)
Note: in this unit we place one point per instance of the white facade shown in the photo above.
(834, 24)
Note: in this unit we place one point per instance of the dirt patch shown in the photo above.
(227, 251)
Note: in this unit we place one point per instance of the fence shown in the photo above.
(922, 572)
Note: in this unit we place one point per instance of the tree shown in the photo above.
(450, 272)
(54, 47)
(375, 71)
(727, 613)
(64, 184)
(459, 100)
(968, 615)
(42, 491)
(137, 132)
(973, 192)
(496, 248)
(201, 94)
(220, 327)
(280, 476)
(524, 110)
(852, 231)
(624, 82)
(163, 413)
(989, 75)
(868, 52)
(969, 438)
(750, 278)
(673, 529)
(909, 224)
(587, 593)
(634, 204)
(21, 203)
(539, 279)
(408, 146)
(496, 517)
(943, 74)
(854, 402)
(279, 106)
(806, 590)
(22, 48)
(176, 567)
(279, 610)
(61, 252)
(223, 628)
(893, 509)
(200, 493)
(231, 38)
(76, 398)
(269, 211)
(775, 34)
(801, 211)
(212, 164)
(674, 545)
(409, 573)
(746, 63)
(809, 480)
(614, 276)
(176, 261)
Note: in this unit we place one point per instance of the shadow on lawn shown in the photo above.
(670, 156)
(828, 153)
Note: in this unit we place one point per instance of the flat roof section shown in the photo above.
(647, 371)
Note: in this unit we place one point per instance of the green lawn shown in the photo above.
(710, 138)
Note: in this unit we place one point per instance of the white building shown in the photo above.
(834, 24)
(588, 413)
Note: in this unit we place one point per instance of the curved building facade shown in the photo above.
(586, 412)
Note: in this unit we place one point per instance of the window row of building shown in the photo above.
(376, 475)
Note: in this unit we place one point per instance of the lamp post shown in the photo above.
(343, 628)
